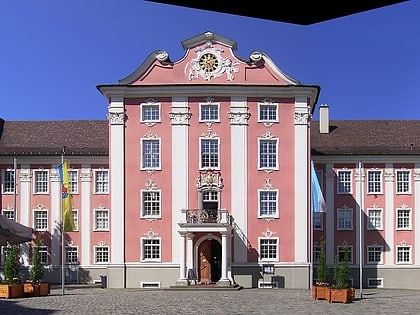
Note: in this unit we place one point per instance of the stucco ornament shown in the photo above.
(210, 64)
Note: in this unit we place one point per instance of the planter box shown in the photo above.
(342, 295)
(321, 292)
(36, 289)
(11, 290)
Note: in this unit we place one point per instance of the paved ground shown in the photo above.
(94, 300)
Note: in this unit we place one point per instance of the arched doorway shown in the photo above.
(209, 261)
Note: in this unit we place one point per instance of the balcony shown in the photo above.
(206, 216)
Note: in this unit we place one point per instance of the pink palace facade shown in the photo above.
(202, 174)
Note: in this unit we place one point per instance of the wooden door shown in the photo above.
(204, 262)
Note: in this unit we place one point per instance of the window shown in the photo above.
(41, 220)
(403, 254)
(74, 185)
(268, 203)
(101, 254)
(150, 203)
(403, 182)
(375, 219)
(316, 253)
(374, 254)
(345, 219)
(403, 219)
(10, 214)
(71, 255)
(317, 220)
(209, 112)
(150, 153)
(341, 249)
(101, 220)
(267, 113)
(75, 219)
(150, 112)
(209, 149)
(8, 183)
(344, 182)
(150, 249)
(268, 153)
(374, 183)
(268, 248)
(101, 181)
(40, 182)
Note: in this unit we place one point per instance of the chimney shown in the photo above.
(324, 124)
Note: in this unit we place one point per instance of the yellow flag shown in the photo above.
(68, 223)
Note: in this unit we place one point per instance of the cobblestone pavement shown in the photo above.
(94, 300)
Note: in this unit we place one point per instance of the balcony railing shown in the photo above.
(201, 216)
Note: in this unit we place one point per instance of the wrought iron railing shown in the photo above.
(197, 216)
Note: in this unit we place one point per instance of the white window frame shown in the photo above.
(374, 216)
(317, 221)
(268, 106)
(317, 249)
(340, 253)
(73, 181)
(402, 219)
(403, 250)
(8, 213)
(403, 182)
(100, 251)
(44, 220)
(152, 106)
(210, 106)
(373, 251)
(43, 253)
(101, 223)
(151, 166)
(75, 213)
(344, 219)
(101, 185)
(71, 258)
(275, 249)
(268, 155)
(152, 247)
(8, 181)
(374, 182)
(214, 165)
(152, 203)
(37, 181)
(344, 185)
(274, 202)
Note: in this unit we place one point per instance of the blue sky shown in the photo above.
(55, 53)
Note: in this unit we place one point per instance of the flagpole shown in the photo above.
(360, 232)
(62, 230)
(14, 188)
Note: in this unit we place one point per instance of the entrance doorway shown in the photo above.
(209, 261)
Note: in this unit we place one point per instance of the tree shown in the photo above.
(11, 264)
(342, 270)
(37, 270)
(322, 271)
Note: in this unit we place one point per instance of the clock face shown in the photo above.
(208, 62)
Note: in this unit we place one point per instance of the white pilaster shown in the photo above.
(416, 210)
(85, 213)
(360, 211)
(180, 116)
(116, 116)
(239, 150)
(302, 203)
(389, 216)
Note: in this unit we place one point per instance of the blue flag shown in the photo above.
(317, 198)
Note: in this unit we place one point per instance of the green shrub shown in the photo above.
(342, 270)
(11, 264)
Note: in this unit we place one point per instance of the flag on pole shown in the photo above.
(317, 198)
(67, 211)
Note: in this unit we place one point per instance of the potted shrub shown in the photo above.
(11, 286)
(36, 286)
(341, 290)
(321, 288)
